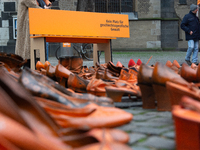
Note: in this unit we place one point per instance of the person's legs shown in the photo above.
(189, 51)
(195, 52)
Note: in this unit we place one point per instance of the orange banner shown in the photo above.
(77, 23)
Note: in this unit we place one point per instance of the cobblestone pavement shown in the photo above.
(149, 129)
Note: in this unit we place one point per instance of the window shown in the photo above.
(114, 6)
(183, 2)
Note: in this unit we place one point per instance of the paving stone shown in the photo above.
(159, 143)
(169, 127)
(134, 111)
(152, 113)
(127, 127)
(149, 130)
(127, 104)
(170, 135)
(150, 124)
(135, 137)
(143, 117)
(163, 119)
(165, 114)
(139, 148)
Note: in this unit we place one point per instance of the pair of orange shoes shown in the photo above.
(40, 65)
(153, 81)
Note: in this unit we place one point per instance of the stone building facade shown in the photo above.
(154, 25)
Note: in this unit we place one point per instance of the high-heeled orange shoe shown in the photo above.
(46, 64)
(175, 63)
(145, 83)
(187, 124)
(174, 66)
(161, 74)
(124, 75)
(119, 64)
(77, 83)
(168, 63)
(188, 73)
(194, 66)
(39, 65)
(72, 63)
(62, 74)
(177, 91)
(97, 87)
(133, 76)
(50, 72)
(120, 88)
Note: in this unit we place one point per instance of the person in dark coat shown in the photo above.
(190, 24)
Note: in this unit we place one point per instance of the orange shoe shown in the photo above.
(119, 64)
(188, 73)
(39, 65)
(175, 63)
(168, 63)
(46, 64)
(187, 124)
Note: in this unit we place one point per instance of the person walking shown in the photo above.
(190, 24)
(23, 37)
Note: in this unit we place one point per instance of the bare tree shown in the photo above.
(86, 5)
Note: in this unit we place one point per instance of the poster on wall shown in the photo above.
(15, 28)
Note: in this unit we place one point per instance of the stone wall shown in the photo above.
(144, 35)
(149, 8)
(169, 25)
(169, 34)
